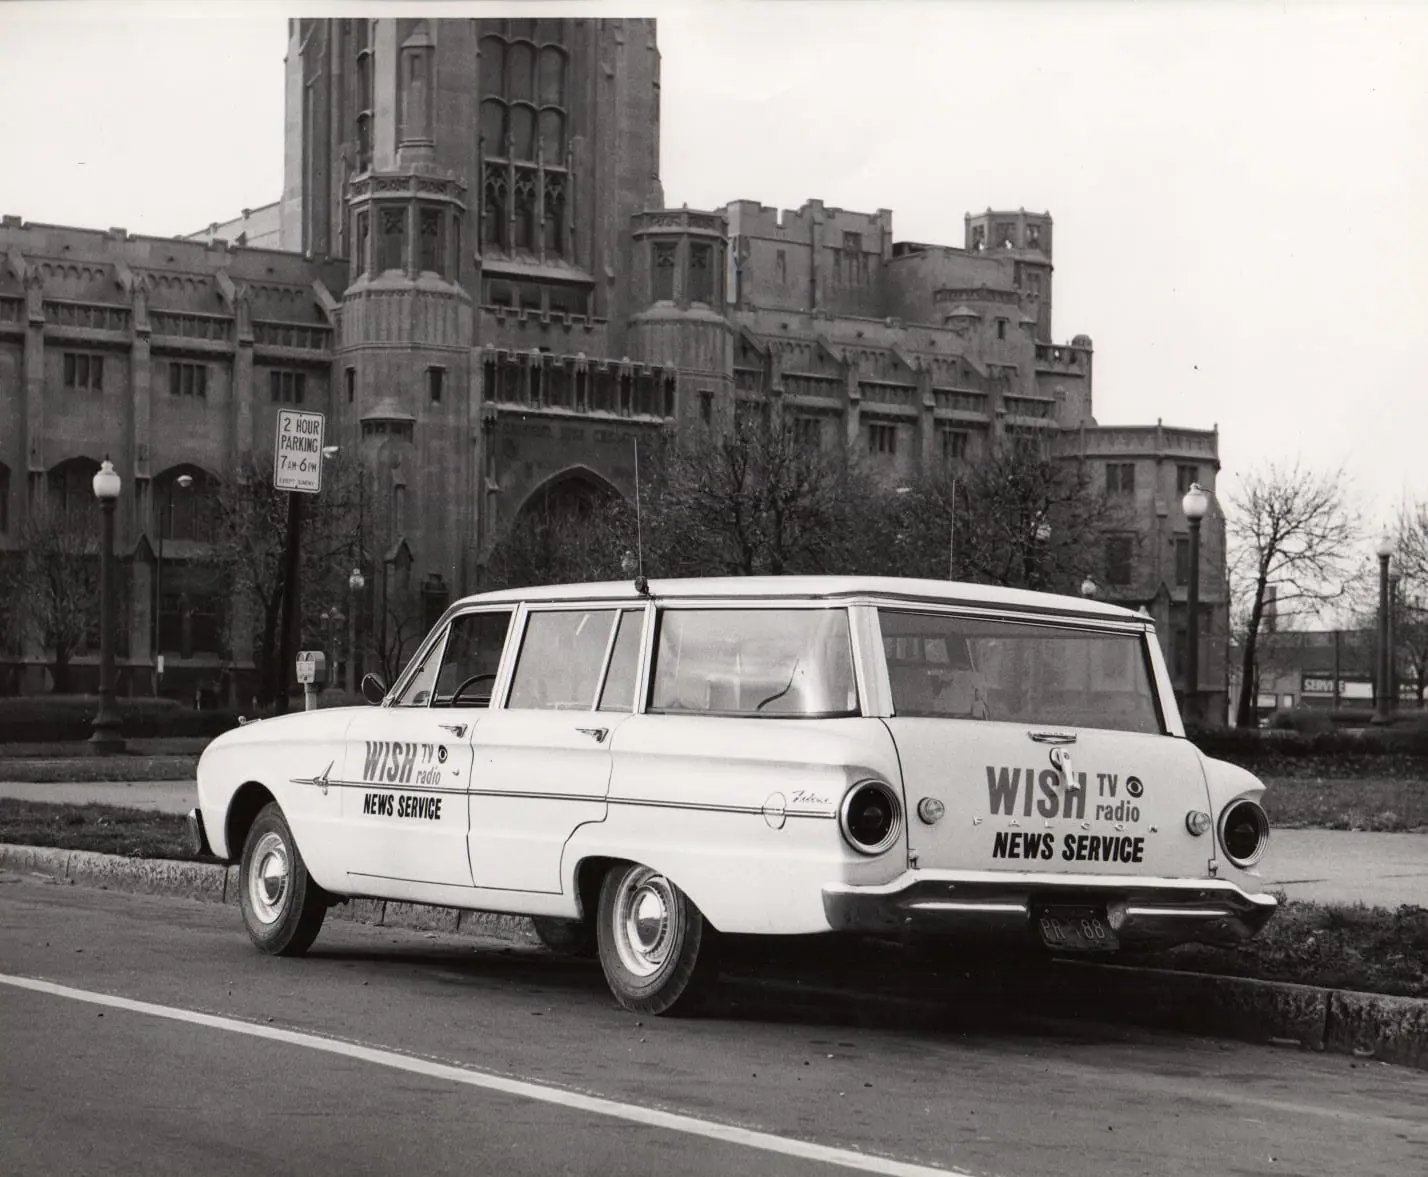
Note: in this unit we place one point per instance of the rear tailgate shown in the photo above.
(1008, 806)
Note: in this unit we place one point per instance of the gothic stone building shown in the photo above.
(479, 283)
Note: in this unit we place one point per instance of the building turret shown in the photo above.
(679, 274)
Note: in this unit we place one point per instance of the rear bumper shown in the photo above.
(1144, 912)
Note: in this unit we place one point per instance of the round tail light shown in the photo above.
(870, 817)
(1244, 832)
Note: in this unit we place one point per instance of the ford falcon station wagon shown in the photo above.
(645, 767)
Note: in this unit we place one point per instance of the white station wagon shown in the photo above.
(644, 766)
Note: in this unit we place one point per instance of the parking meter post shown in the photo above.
(310, 667)
(288, 626)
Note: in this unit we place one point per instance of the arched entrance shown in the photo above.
(564, 532)
(572, 494)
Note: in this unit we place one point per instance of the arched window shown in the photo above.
(70, 487)
(186, 512)
(523, 124)
(524, 132)
(520, 72)
(362, 41)
(550, 80)
(493, 126)
(514, 91)
(552, 135)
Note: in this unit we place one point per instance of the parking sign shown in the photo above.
(297, 452)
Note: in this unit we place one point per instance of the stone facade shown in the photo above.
(259, 227)
(1145, 472)
(170, 357)
(482, 288)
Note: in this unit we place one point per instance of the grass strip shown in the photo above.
(1379, 804)
(100, 768)
(104, 829)
(79, 750)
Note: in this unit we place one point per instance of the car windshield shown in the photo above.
(952, 667)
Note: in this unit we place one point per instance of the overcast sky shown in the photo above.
(1239, 188)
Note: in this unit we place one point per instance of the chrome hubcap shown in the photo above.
(268, 878)
(648, 923)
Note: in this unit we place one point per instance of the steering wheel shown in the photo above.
(475, 678)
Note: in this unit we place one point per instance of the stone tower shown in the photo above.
(1026, 239)
(481, 177)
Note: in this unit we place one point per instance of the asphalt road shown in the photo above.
(387, 1051)
(1330, 866)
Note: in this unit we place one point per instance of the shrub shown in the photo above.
(33, 719)
(1302, 719)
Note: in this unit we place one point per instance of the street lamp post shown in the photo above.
(184, 481)
(1384, 550)
(106, 738)
(1195, 503)
(355, 584)
(1033, 554)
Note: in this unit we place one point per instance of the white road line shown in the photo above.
(672, 1121)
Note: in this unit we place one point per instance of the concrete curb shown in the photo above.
(1365, 1025)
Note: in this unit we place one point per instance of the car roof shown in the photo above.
(830, 588)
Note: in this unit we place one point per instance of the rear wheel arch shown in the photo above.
(243, 811)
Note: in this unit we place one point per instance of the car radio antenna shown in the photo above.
(642, 586)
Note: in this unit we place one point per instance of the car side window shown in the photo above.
(766, 662)
(561, 657)
(619, 691)
(473, 654)
(417, 692)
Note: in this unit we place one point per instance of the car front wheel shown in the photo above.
(283, 908)
(658, 952)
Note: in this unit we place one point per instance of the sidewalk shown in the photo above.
(1329, 866)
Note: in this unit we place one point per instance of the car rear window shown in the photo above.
(765, 663)
(953, 667)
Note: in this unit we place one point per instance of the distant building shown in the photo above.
(482, 288)
(260, 228)
(1321, 669)
(1145, 471)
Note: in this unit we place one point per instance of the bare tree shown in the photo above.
(1291, 528)
(764, 498)
(563, 544)
(400, 628)
(1019, 517)
(251, 528)
(1410, 605)
(52, 585)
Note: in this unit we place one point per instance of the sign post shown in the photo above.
(297, 453)
(297, 469)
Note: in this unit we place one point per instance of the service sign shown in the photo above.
(297, 452)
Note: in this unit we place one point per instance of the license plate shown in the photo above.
(1076, 929)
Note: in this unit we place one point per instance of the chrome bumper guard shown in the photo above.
(1142, 912)
(197, 836)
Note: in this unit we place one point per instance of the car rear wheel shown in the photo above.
(566, 937)
(658, 952)
(283, 908)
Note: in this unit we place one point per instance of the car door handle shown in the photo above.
(456, 729)
(597, 734)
